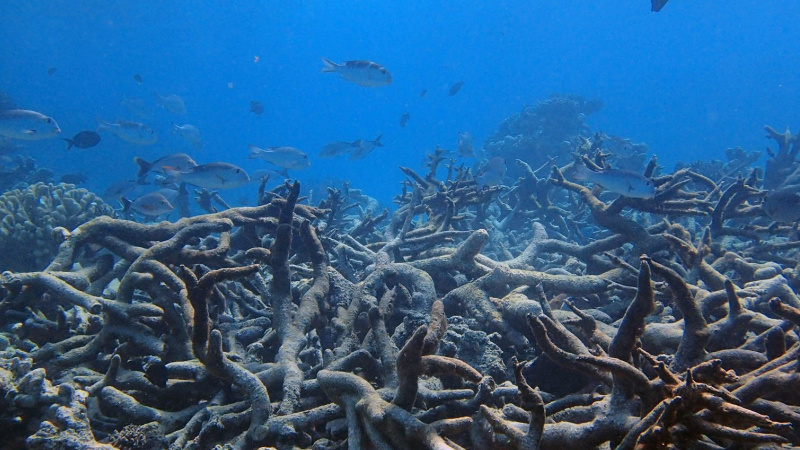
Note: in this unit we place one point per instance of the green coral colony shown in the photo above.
(535, 313)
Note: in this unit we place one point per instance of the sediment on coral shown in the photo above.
(540, 314)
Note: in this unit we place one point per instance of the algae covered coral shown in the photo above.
(538, 313)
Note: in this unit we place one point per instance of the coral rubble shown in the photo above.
(540, 314)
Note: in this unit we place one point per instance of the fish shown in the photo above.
(84, 139)
(51, 71)
(137, 78)
(656, 5)
(256, 108)
(335, 149)
(150, 204)
(120, 189)
(171, 103)
(261, 173)
(137, 107)
(215, 175)
(492, 172)
(286, 157)
(177, 161)
(423, 93)
(362, 148)
(455, 88)
(72, 178)
(783, 205)
(404, 119)
(9, 164)
(190, 133)
(465, 148)
(362, 73)
(27, 125)
(131, 132)
(619, 181)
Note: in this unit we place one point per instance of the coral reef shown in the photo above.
(541, 314)
(33, 215)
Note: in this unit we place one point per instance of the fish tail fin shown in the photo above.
(70, 143)
(126, 204)
(254, 151)
(328, 65)
(377, 140)
(174, 127)
(144, 167)
(284, 173)
(102, 125)
(582, 173)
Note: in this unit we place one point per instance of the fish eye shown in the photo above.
(49, 120)
(237, 170)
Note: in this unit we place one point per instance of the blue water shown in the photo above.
(690, 81)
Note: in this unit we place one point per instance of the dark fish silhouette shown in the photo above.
(656, 5)
(73, 178)
(256, 107)
(404, 119)
(455, 88)
(51, 71)
(137, 78)
(84, 139)
(423, 92)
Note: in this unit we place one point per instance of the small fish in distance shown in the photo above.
(190, 133)
(256, 108)
(783, 205)
(492, 173)
(171, 103)
(362, 73)
(51, 71)
(423, 93)
(335, 149)
(177, 161)
(215, 175)
(132, 132)
(84, 139)
(27, 125)
(623, 182)
(286, 157)
(73, 178)
(152, 204)
(137, 78)
(465, 148)
(362, 147)
(455, 88)
(656, 5)
(404, 119)
(137, 107)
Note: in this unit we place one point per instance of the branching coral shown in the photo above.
(522, 316)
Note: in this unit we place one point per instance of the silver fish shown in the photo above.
(137, 107)
(190, 133)
(176, 161)
(27, 125)
(362, 73)
(171, 103)
(465, 148)
(492, 173)
(216, 175)
(132, 132)
(783, 205)
(362, 148)
(335, 149)
(623, 182)
(121, 189)
(286, 157)
(152, 204)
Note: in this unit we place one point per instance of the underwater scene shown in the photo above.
(399, 225)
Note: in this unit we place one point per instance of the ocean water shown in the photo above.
(690, 81)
